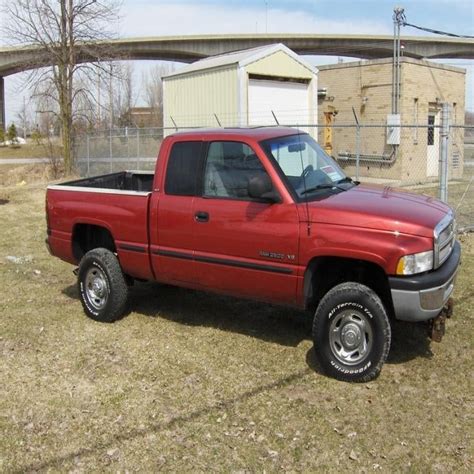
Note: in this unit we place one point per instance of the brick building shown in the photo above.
(364, 89)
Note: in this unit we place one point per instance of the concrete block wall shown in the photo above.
(428, 85)
(366, 86)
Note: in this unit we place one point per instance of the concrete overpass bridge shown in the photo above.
(191, 48)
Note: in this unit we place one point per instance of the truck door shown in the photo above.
(243, 246)
(171, 215)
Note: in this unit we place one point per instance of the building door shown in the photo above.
(289, 101)
(432, 143)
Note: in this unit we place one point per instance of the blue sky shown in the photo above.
(356, 16)
(180, 17)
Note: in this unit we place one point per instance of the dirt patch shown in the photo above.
(4, 201)
(20, 175)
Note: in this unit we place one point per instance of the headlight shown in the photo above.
(416, 263)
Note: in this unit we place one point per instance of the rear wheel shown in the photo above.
(102, 286)
(351, 333)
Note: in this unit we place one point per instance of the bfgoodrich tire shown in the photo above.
(351, 333)
(102, 286)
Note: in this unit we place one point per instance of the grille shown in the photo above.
(444, 237)
(456, 160)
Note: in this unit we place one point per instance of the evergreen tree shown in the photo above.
(12, 134)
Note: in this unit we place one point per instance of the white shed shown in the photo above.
(258, 86)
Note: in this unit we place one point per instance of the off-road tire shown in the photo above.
(351, 333)
(102, 286)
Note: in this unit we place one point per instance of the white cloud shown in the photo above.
(184, 19)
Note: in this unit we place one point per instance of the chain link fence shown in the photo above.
(406, 156)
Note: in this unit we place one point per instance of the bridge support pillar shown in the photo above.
(2, 104)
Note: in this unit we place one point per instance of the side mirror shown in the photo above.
(261, 187)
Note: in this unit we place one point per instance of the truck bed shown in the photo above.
(116, 203)
(122, 181)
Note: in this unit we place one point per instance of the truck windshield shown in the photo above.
(309, 171)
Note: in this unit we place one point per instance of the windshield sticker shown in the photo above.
(332, 173)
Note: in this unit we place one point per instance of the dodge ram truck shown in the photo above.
(266, 214)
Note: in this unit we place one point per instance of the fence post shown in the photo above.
(88, 156)
(128, 144)
(138, 149)
(110, 150)
(443, 153)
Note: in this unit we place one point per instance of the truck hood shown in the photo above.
(381, 208)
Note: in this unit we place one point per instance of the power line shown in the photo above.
(437, 32)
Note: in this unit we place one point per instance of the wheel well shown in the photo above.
(86, 237)
(323, 273)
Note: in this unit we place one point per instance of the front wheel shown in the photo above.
(351, 333)
(102, 286)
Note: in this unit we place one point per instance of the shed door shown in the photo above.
(288, 100)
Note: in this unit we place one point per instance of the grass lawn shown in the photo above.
(192, 382)
(29, 150)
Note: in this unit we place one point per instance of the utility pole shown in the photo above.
(398, 22)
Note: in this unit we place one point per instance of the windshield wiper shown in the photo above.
(319, 186)
(347, 179)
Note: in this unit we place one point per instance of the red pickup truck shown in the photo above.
(264, 214)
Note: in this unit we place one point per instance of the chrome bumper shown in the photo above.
(421, 298)
(421, 305)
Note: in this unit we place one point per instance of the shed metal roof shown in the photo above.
(242, 58)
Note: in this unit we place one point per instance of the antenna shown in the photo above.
(275, 117)
(308, 224)
(357, 143)
(217, 119)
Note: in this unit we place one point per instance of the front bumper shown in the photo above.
(422, 297)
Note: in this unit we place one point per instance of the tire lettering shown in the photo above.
(351, 371)
(352, 304)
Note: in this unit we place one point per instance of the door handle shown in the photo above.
(201, 216)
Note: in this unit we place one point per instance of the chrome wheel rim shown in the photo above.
(97, 289)
(350, 337)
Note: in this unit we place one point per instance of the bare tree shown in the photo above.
(116, 95)
(153, 89)
(24, 118)
(122, 94)
(67, 33)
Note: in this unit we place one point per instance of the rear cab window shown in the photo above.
(183, 169)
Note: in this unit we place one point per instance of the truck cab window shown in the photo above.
(229, 168)
(183, 169)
